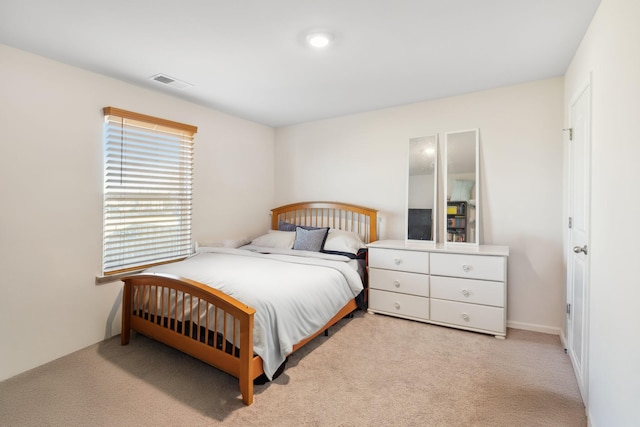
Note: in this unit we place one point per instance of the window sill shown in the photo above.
(102, 279)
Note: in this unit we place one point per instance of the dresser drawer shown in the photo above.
(468, 315)
(399, 304)
(399, 281)
(468, 266)
(392, 259)
(468, 290)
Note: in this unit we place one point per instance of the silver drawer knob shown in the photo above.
(466, 268)
(397, 306)
(396, 283)
(397, 261)
(465, 316)
(465, 292)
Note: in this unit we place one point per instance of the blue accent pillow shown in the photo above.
(310, 240)
(287, 226)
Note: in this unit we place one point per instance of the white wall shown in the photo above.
(362, 159)
(610, 53)
(51, 217)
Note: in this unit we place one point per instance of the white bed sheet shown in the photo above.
(294, 293)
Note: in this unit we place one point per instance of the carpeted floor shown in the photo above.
(371, 370)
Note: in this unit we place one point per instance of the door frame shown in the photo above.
(582, 377)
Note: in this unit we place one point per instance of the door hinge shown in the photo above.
(570, 130)
(570, 222)
(568, 309)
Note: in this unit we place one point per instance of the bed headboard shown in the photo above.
(343, 216)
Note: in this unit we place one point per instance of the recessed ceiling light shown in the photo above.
(319, 40)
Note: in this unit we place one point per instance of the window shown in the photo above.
(147, 191)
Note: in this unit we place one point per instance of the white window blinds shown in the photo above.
(147, 190)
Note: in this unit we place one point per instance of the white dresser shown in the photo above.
(460, 286)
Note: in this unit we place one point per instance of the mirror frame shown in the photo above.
(445, 194)
(435, 208)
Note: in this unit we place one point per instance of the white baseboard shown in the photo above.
(535, 328)
(563, 339)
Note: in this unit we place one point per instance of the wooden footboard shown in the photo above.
(200, 321)
(195, 319)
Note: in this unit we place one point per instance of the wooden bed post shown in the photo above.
(126, 313)
(246, 357)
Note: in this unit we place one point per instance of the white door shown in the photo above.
(578, 237)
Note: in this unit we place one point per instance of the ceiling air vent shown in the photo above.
(170, 81)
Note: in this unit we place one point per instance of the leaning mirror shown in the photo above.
(422, 188)
(461, 187)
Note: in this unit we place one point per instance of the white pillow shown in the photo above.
(343, 241)
(461, 190)
(276, 239)
(226, 243)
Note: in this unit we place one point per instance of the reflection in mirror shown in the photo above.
(421, 197)
(461, 187)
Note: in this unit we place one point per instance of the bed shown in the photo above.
(210, 305)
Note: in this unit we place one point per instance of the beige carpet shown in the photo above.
(372, 370)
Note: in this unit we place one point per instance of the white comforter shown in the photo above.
(294, 293)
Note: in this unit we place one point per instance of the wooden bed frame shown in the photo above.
(229, 352)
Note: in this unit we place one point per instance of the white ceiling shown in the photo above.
(247, 57)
